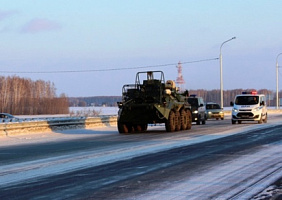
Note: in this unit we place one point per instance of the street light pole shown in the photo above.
(221, 81)
(277, 92)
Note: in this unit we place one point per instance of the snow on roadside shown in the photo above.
(272, 192)
(101, 110)
(239, 178)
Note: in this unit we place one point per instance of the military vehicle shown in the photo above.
(151, 100)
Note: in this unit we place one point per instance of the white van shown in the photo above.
(249, 106)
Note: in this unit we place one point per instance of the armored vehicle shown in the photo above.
(151, 100)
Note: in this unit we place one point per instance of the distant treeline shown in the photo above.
(208, 96)
(21, 96)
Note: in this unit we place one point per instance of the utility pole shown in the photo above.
(277, 91)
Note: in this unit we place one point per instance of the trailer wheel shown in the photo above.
(170, 123)
(184, 120)
(189, 119)
(177, 121)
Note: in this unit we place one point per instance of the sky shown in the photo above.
(92, 48)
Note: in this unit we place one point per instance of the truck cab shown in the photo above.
(249, 106)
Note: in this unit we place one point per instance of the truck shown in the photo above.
(152, 100)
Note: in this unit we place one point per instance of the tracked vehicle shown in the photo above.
(151, 100)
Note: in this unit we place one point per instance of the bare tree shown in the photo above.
(24, 96)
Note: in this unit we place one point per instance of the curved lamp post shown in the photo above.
(221, 81)
(277, 93)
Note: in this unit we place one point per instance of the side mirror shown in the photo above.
(262, 103)
(201, 105)
(231, 103)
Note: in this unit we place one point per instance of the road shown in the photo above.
(213, 161)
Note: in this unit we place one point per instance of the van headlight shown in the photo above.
(257, 109)
(235, 110)
(195, 111)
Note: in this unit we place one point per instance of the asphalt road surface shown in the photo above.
(213, 161)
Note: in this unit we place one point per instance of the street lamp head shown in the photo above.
(227, 41)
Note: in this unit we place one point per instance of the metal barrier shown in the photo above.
(54, 124)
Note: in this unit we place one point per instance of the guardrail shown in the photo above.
(32, 125)
(54, 124)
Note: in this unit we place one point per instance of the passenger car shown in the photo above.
(213, 111)
(7, 117)
(198, 109)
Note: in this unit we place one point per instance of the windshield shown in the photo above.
(193, 101)
(212, 106)
(246, 100)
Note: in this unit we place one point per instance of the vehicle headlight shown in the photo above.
(257, 109)
(235, 110)
(220, 112)
(195, 111)
(210, 112)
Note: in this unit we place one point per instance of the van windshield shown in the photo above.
(247, 100)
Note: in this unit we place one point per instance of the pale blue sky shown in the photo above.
(66, 35)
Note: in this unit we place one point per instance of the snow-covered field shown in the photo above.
(114, 110)
(74, 112)
(101, 110)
